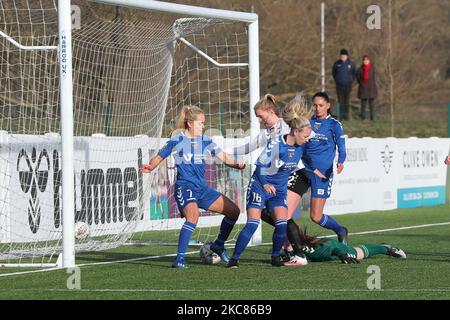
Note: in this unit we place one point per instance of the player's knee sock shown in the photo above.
(294, 236)
(267, 217)
(183, 240)
(244, 237)
(327, 222)
(279, 235)
(225, 230)
(372, 249)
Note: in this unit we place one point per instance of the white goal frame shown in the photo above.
(66, 93)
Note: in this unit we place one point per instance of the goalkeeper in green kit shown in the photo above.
(323, 249)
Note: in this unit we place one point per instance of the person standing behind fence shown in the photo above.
(344, 71)
(367, 90)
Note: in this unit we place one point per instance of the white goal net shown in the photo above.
(133, 70)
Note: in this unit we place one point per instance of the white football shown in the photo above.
(81, 230)
(207, 256)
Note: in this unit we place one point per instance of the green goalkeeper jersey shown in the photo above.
(328, 251)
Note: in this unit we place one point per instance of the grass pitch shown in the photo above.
(145, 272)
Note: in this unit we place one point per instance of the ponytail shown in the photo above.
(297, 113)
(188, 113)
(268, 102)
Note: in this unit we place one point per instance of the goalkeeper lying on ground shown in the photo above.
(324, 249)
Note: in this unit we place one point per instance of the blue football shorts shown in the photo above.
(187, 193)
(258, 198)
(320, 188)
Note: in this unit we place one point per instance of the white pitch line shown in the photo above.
(92, 264)
(29, 272)
(231, 290)
(193, 252)
(403, 228)
(384, 230)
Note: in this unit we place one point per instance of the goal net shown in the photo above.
(133, 70)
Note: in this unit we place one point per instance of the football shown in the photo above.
(207, 256)
(81, 230)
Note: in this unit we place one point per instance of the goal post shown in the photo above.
(67, 132)
(82, 109)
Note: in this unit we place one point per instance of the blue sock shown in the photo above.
(327, 222)
(279, 235)
(183, 241)
(225, 230)
(244, 237)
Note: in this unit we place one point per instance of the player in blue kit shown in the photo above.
(268, 185)
(191, 149)
(267, 112)
(318, 159)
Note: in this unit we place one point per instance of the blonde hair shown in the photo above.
(188, 113)
(297, 113)
(268, 102)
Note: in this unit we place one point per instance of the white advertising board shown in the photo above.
(379, 174)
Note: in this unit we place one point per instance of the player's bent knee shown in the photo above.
(232, 210)
(234, 214)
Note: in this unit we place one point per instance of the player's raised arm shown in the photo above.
(229, 161)
(154, 162)
(252, 145)
(162, 154)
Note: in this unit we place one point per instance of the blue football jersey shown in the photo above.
(321, 149)
(190, 156)
(277, 161)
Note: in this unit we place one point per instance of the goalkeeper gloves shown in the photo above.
(347, 258)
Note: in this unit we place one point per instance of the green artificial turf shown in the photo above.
(425, 274)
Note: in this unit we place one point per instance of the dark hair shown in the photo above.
(324, 95)
(321, 94)
(307, 240)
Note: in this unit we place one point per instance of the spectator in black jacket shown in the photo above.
(367, 90)
(344, 71)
